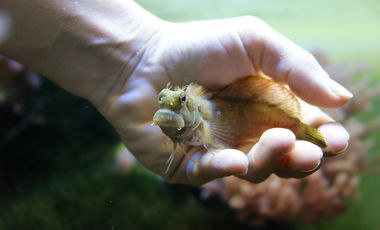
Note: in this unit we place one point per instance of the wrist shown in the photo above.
(117, 47)
(83, 46)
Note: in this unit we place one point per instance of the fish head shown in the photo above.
(176, 109)
(172, 99)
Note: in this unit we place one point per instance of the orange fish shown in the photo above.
(231, 117)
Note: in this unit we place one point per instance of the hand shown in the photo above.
(214, 54)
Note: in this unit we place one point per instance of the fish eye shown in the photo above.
(183, 98)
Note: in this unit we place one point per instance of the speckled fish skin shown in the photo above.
(234, 116)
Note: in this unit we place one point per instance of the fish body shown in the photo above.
(231, 117)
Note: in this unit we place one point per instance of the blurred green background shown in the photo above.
(348, 30)
(62, 175)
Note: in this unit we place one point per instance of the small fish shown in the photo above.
(232, 117)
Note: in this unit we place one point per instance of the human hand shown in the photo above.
(214, 54)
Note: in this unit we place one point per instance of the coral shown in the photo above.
(324, 194)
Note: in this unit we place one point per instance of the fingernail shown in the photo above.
(340, 90)
(336, 136)
(242, 173)
(337, 152)
(342, 150)
(314, 168)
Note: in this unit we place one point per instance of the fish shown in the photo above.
(231, 117)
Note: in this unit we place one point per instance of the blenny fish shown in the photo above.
(231, 117)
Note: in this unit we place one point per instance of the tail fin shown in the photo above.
(312, 135)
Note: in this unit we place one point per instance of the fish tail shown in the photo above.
(312, 135)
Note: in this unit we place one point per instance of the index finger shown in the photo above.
(280, 58)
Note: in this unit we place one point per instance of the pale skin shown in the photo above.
(118, 56)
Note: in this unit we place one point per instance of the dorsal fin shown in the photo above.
(262, 89)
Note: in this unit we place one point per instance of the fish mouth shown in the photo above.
(169, 119)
